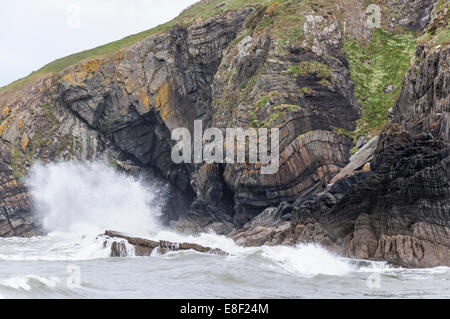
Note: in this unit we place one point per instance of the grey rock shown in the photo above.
(389, 88)
(220, 5)
(397, 211)
(358, 161)
(16, 214)
(226, 72)
(268, 228)
(360, 142)
(145, 247)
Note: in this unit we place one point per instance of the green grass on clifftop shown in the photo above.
(373, 67)
(199, 10)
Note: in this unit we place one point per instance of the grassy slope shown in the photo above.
(373, 67)
(200, 10)
(384, 61)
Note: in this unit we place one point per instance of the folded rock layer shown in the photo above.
(259, 66)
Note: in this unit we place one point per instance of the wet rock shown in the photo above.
(409, 251)
(206, 216)
(268, 228)
(145, 247)
(118, 249)
(260, 235)
(272, 216)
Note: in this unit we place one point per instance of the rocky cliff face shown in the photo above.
(398, 210)
(391, 202)
(262, 66)
(305, 91)
(122, 107)
(16, 218)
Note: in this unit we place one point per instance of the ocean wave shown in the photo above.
(88, 197)
(308, 260)
(55, 247)
(30, 282)
(405, 273)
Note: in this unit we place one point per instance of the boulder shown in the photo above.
(268, 228)
(145, 247)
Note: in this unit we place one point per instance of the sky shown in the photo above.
(36, 32)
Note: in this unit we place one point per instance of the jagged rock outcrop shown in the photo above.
(391, 202)
(126, 106)
(398, 207)
(15, 206)
(359, 161)
(268, 228)
(413, 15)
(304, 90)
(122, 107)
(255, 67)
(145, 247)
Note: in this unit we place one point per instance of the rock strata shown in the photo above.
(15, 207)
(145, 247)
(392, 201)
(256, 67)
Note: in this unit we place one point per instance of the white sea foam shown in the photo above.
(308, 260)
(78, 201)
(89, 197)
(30, 282)
(57, 246)
(209, 239)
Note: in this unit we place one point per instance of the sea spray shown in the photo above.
(78, 201)
(89, 197)
(86, 198)
(308, 260)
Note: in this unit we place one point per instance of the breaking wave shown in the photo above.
(308, 260)
(78, 201)
(89, 197)
(29, 282)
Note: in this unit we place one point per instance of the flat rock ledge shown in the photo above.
(145, 247)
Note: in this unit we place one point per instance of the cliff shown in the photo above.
(315, 70)
(391, 202)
